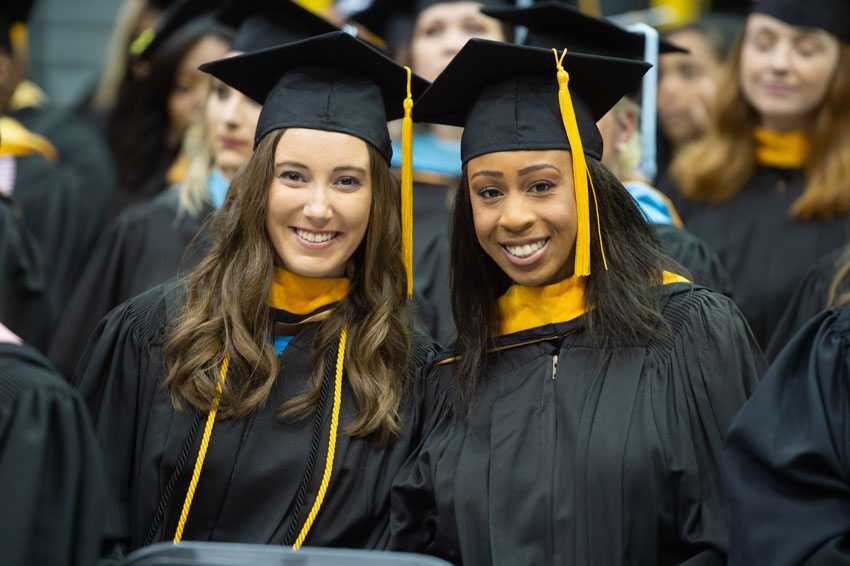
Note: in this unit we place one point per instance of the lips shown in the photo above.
(231, 143)
(315, 237)
(525, 252)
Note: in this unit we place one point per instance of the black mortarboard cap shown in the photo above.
(264, 23)
(556, 24)
(517, 98)
(332, 82)
(177, 15)
(11, 12)
(829, 15)
(506, 96)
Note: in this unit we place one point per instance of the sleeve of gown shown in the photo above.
(716, 365)
(414, 521)
(113, 376)
(50, 475)
(98, 290)
(24, 306)
(809, 299)
(786, 462)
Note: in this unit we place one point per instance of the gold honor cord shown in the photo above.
(581, 176)
(407, 187)
(326, 478)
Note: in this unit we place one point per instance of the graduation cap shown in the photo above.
(829, 15)
(514, 98)
(383, 18)
(556, 24)
(264, 23)
(178, 14)
(12, 12)
(332, 82)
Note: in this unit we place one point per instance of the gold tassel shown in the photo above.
(407, 187)
(581, 176)
(142, 41)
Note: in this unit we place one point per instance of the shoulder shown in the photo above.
(24, 371)
(150, 315)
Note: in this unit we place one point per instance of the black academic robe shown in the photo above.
(576, 454)
(24, 306)
(810, 298)
(431, 214)
(51, 474)
(253, 465)
(144, 247)
(765, 251)
(432, 285)
(787, 456)
(65, 203)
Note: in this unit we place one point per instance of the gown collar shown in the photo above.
(218, 185)
(301, 295)
(784, 150)
(523, 308)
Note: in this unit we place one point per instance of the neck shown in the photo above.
(784, 123)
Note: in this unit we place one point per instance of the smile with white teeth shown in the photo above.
(527, 249)
(315, 237)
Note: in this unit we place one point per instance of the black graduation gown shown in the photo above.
(766, 252)
(253, 465)
(142, 248)
(24, 307)
(65, 203)
(432, 285)
(431, 214)
(787, 456)
(573, 454)
(51, 473)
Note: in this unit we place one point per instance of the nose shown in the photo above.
(230, 113)
(318, 207)
(453, 41)
(779, 57)
(517, 216)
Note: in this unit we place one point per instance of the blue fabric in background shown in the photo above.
(431, 154)
(218, 185)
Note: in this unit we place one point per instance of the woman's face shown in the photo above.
(443, 29)
(524, 209)
(185, 99)
(785, 70)
(687, 86)
(320, 200)
(231, 122)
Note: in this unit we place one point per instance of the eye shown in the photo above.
(488, 193)
(690, 72)
(291, 177)
(433, 30)
(348, 182)
(221, 92)
(540, 186)
(807, 46)
(763, 41)
(474, 28)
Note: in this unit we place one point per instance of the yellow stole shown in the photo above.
(522, 308)
(18, 141)
(786, 150)
(298, 294)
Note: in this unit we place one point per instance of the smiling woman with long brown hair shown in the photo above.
(591, 384)
(768, 187)
(292, 340)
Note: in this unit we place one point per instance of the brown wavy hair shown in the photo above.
(716, 167)
(226, 309)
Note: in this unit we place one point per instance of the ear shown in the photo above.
(628, 124)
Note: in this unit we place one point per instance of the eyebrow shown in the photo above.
(298, 165)
(533, 168)
(487, 174)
